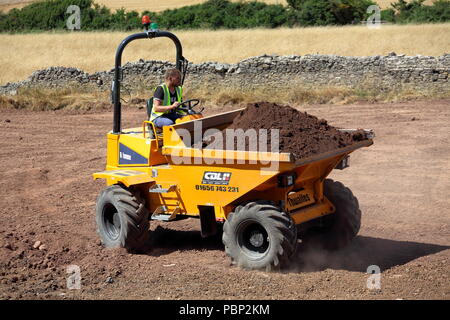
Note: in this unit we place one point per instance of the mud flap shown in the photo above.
(207, 221)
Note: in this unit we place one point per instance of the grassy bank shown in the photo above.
(22, 54)
(78, 99)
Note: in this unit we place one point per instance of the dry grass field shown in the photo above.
(387, 3)
(155, 5)
(6, 5)
(22, 54)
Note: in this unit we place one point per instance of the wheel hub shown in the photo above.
(256, 239)
(253, 239)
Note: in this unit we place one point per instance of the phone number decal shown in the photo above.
(216, 188)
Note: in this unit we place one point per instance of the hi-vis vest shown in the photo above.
(166, 102)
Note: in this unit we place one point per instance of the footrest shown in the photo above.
(161, 214)
(157, 188)
(162, 217)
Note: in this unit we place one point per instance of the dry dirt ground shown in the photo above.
(402, 183)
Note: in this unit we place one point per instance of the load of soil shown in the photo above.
(300, 134)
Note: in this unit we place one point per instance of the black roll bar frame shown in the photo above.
(181, 64)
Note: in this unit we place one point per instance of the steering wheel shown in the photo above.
(189, 105)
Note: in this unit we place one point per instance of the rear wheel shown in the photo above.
(258, 235)
(339, 229)
(122, 219)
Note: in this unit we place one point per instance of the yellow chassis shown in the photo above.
(153, 167)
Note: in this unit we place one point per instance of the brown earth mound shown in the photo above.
(300, 134)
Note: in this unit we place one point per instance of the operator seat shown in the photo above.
(149, 114)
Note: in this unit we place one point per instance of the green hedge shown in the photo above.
(45, 15)
(215, 14)
(51, 15)
(416, 12)
(330, 12)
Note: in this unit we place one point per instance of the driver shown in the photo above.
(166, 99)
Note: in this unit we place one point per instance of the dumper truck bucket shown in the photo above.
(226, 178)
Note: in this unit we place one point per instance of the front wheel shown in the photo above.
(122, 219)
(259, 235)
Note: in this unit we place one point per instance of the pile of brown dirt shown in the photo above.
(300, 134)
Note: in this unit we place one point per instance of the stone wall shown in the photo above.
(381, 72)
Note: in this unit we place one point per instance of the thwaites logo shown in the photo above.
(222, 178)
(298, 199)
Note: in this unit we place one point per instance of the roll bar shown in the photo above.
(118, 74)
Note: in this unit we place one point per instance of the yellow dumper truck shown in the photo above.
(259, 199)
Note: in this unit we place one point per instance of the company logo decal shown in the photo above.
(221, 178)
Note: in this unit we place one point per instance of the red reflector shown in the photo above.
(145, 20)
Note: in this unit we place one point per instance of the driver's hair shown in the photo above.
(170, 73)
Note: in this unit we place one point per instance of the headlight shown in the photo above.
(286, 179)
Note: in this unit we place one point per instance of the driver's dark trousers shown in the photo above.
(167, 119)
